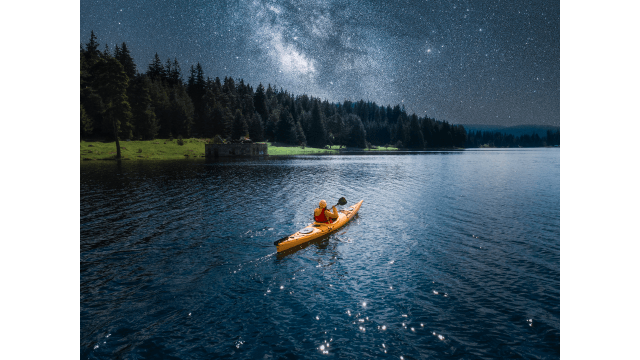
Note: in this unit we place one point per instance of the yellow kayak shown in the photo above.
(316, 230)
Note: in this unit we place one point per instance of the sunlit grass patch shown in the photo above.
(298, 150)
(158, 149)
(166, 149)
(382, 148)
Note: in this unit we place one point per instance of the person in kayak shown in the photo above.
(322, 215)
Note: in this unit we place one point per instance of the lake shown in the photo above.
(453, 255)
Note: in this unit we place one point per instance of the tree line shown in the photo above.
(119, 101)
(498, 139)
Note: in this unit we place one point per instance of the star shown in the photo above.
(301, 47)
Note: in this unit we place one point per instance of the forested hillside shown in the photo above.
(120, 100)
(499, 139)
(515, 130)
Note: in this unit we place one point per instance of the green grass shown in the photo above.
(297, 150)
(164, 149)
(159, 149)
(382, 148)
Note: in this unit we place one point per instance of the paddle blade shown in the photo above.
(342, 201)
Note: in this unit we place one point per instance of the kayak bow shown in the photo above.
(316, 230)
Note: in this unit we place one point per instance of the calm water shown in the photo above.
(452, 255)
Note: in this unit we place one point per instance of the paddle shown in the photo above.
(341, 201)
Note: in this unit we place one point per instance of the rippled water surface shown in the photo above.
(452, 255)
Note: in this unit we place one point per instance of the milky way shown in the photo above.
(466, 62)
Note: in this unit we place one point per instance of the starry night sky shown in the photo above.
(466, 62)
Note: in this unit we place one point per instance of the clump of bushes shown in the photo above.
(218, 140)
(180, 141)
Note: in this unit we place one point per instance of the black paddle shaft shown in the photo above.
(341, 201)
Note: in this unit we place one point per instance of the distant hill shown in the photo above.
(517, 130)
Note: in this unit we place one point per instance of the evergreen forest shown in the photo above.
(118, 100)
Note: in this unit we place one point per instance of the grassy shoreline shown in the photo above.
(159, 149)
(277, 149)
(165, 149)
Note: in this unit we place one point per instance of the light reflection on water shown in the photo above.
(452, 255)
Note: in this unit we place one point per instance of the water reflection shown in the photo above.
(182, 253)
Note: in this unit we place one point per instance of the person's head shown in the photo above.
(323, 204)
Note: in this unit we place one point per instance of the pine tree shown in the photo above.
(395, 114)
(181, 110)
(208, 104)
(336, 130)
(217, 121)
(460, 136)
(229, 86)
(427, 132)
(191, 82)
(160, 103)
(106, 52)
(156, 70)
(167, 71)
(370, 128)
(348, 106)
(446, 139)
(217, 86)
(111, 83)
(90, 102)
(357, 134)
(317, 135)
(415, 138)
(292, 109)
(269, 93)
(197, 90)
(271, 126)
(175, 77)
(84, 71)
(285, 130)
(241, 88)
(145, 122)
(230, 93)
(92, 47)
(94, 108)
(247, 105)
(256, 130)
(86, 123)
(240, 127)
(300, 137)
(127, 61)
(260, 102)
